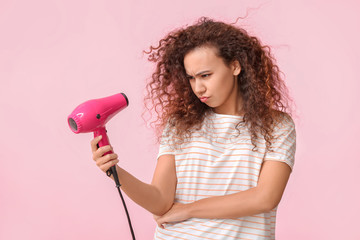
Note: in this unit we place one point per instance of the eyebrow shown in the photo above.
(199, 73)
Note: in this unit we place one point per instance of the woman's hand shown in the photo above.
(177, 213)
(103, 162)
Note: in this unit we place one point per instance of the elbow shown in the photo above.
(267, 202)
(270, 205)
(163, 203)
(162, 209)
(163, 206)
(158, 212)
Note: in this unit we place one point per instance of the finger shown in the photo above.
(160, 224)
(94, 143)
(101, 151)
(109, 164)
(104, 149)
(104, 159)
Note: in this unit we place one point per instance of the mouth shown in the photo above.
(204, 99)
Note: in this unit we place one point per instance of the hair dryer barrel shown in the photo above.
(94, 114)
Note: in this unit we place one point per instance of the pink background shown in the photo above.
(55, 55)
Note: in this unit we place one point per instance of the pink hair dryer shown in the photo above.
(92, 115)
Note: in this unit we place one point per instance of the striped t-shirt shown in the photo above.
(217, 161)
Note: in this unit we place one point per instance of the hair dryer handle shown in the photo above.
(104, 140)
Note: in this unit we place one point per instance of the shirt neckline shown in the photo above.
(226, 115)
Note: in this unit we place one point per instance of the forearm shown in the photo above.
(145, 195)
(245, 203)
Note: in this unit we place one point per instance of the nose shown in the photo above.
(199, 87)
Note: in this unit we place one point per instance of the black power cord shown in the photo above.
(113, 171)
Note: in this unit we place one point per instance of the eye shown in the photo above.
(189, 77)
(205, 75)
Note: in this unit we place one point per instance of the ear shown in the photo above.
(236, 68)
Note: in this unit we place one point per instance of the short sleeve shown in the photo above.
(284, 143)
(166, 142)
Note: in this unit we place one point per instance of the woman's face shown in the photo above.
(210, 77)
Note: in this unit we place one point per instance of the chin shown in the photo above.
(209, 105)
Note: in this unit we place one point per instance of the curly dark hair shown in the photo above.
(264, 93)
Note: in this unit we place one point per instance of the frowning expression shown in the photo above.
(210, 77)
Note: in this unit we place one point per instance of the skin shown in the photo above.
(209, 76)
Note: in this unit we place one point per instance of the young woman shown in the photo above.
(227, 138)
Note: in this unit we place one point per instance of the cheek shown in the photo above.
(223, 83)
(225, 87)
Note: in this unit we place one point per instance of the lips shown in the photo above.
(203, 99)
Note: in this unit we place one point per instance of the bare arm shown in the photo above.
(156, 197)
(263, 198)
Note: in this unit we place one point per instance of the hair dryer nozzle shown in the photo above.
(127, 101)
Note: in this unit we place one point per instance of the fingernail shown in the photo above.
(100, 137)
